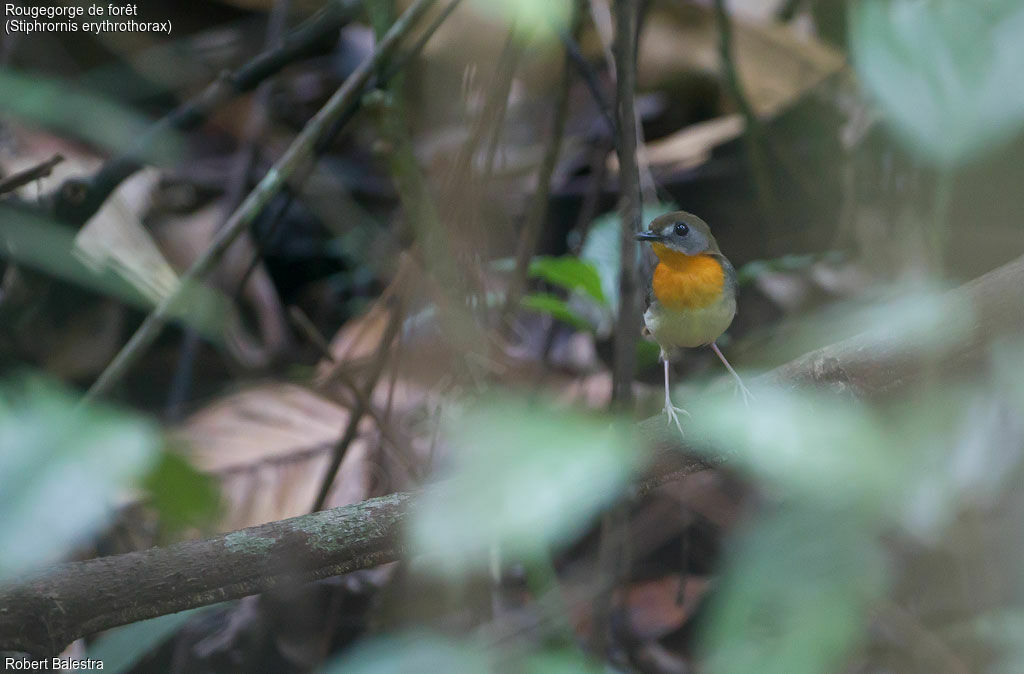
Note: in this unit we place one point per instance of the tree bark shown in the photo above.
(42, 613)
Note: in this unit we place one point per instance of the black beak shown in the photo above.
(648, 236)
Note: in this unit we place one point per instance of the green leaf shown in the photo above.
(571, 273)
(946, 72)
(555, 307)
(122, 648)
(58, 105)
(532, 18)
(183, 496)
(61, 469)
(755, 268)
(794, 595)
(813, 446)
(526, 477)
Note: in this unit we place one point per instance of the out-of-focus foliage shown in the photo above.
(41, 244)
(526, 477)
(579, 278)
(121, 648)
(570, 273)
(182, 495)
(533, 18)
(60, 467)
(795, 593)
(801, 577)
(417, 652)
(557, 308)
(96, 120)
(749, 272)
(946, 72)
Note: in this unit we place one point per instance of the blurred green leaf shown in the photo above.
(813, 446)
(183, 496)
(1000, 631)
(61, 467)
(122, 648)
(412, 654)
(48, 247)
(571, 273)
(794, 594)
(755, 268)
(526, 477)
(58, 105)
(555, 307)
(946, 72)
(421, 653)
(532, 18)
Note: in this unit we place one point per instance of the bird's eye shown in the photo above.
(681, 229)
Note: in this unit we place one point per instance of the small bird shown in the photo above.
(691, 293)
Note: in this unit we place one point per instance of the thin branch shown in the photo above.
(295, 157)
(627, 330)
(31, 174)
(590, 78)
(361, 407)
(527, 245)
(752, 130)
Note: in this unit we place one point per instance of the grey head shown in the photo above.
(683, 232)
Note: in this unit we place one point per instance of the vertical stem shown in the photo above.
(628, 328)
(752, 132)
(538, 209)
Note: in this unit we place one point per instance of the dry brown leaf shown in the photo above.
(655, 608)
(269, 444)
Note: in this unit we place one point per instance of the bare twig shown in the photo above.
(297, 155)
(590, 78)
(752, 131)
(40, 170)
(539, 207)
(361, 406)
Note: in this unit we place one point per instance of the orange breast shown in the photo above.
(686, 281)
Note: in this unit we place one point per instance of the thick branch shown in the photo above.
(43, 613)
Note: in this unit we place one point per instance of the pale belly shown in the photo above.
(691, 328)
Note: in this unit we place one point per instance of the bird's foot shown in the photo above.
(673, 412)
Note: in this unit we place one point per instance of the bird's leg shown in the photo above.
(671, 410)
(748, 397)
